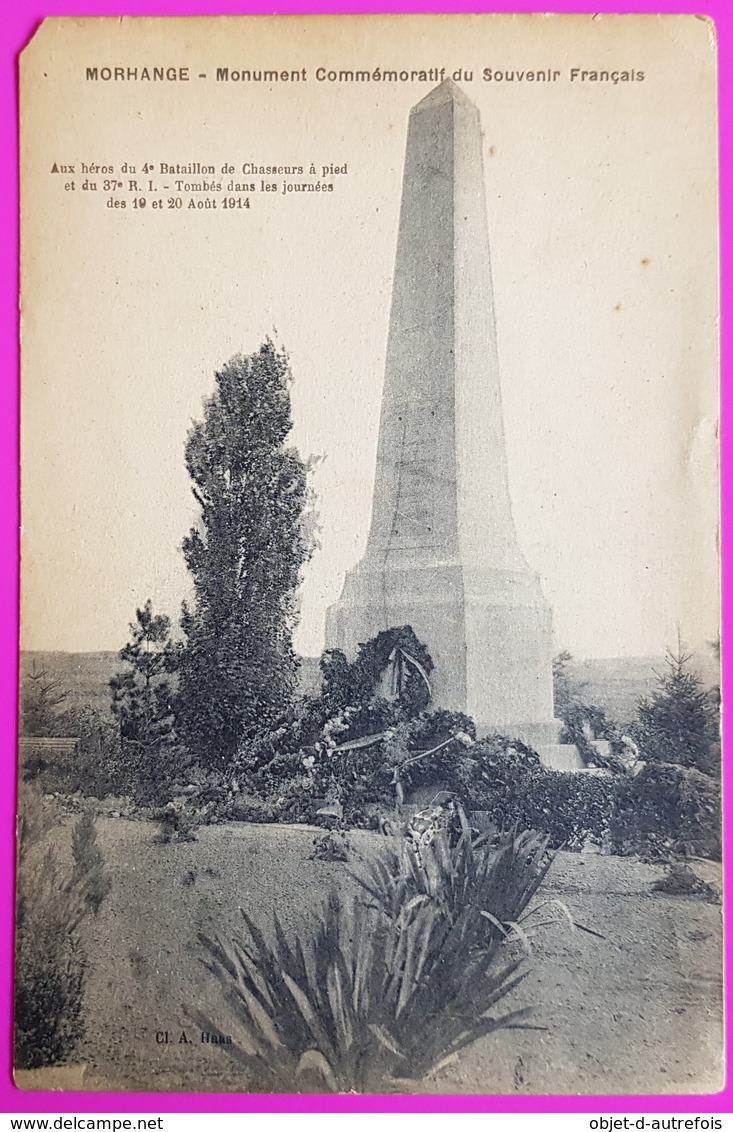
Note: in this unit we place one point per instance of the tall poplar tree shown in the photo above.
(237, 665)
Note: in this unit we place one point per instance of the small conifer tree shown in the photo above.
(142, 698)
(678, 723)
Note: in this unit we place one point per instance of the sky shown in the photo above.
(601, 201)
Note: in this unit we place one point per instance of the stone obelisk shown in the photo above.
(442, 554)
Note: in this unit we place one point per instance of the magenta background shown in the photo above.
(17, 21)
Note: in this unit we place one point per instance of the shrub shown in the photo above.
(89, 876)
(50, 970)
(516, 790)
(700, 815)
(367, 769)
(433, 747)
(50, 962)
(334, 845)
(142, 698)
(178, 822)
(106, 764)
(97, 768)
(361, 754)
(385, 988)
(666, 810)
(101, 768)
(41, 697)
(378, 695)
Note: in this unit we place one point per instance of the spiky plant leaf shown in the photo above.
(391, 985)
(313, 1062)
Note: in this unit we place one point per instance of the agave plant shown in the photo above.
(307, 1006)
(496, 872)
(393, 983)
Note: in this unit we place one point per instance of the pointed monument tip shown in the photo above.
(447, 91)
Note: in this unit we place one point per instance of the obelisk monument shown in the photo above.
(442, 554)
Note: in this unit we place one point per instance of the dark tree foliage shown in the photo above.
(566, 691)
(516, 791)
(679, 722)
(142, 696)
(238, 668)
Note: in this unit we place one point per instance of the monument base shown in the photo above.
(567, 757)
(560, 756)
(488, 631)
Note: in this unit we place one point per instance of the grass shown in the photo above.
(50, 961)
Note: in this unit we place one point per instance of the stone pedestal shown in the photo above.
(442, 554)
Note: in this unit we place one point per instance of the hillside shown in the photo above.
(614, 684)
(617, 683)
(85, 675)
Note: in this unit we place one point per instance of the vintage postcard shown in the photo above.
(370, 642)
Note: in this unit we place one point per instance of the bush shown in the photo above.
(390, 986)
(368, 752)
(700, 815)
(50, 962)
(667, 810)
(50, 970)
(517, 791)
(41, 697)
(360, 755)
(89, 877)
(672, 807)
(178, 822)
(101, 768)
(106, 764)
(334, 845)
(97, 769)
(365, 769)
(319, 745)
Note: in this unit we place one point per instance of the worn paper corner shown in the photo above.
(39, 36)
(696, 34)
(711, 31)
